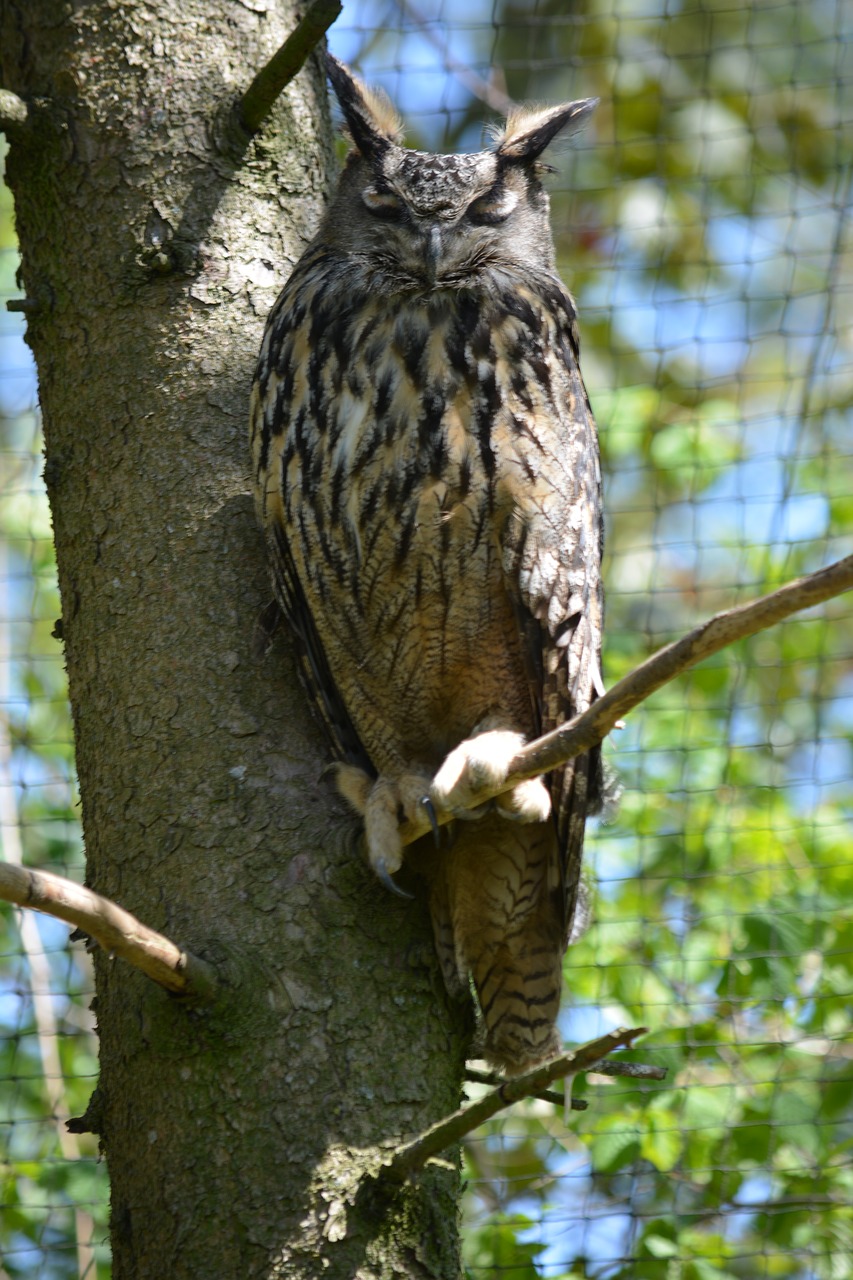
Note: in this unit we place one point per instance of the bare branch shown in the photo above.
(545, 1095)
(117, 931)
(38, 966)
(635, 1070)
(586, 730)
(286, 62)
(23, 304)
(476, 85)
(448, 1132)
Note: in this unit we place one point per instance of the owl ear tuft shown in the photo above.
(529, 130)
(371, 117)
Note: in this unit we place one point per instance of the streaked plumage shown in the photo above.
(427, 477)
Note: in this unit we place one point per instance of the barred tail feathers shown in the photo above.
(497, 913)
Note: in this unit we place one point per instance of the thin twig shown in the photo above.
(452, 1129)
(286, 62)
(475, 84)
(117, 931)
(13, 110)
(544, 1095)
(586, 730)
(38, 969)
(636, 1070)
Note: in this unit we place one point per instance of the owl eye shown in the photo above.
(494, 207)
(382, 203)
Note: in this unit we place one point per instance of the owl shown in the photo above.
(427, 477)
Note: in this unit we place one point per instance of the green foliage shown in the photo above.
(700, 224)
(52, 1187)
(702, 233)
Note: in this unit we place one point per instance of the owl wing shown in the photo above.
(552, 547)
(271, 406)
(313, 665)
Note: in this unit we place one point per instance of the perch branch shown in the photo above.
(544, 1095)
(637, 1070)
(452, 1129)
(586, 730)
(257, 101)
(117, 931)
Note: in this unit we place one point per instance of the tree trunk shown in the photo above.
(240, 1138)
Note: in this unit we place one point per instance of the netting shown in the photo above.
(52, 1184)
(702, 222)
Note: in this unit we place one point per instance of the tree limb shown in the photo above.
(452, 1129)
(117, 931)
(586, 730)
(257, 102)
(545, 1095)
(635, 1070)
(37, 964)
(120, 933)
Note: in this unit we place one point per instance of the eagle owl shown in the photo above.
(427, 476)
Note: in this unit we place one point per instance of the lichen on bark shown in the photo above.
(154, 254)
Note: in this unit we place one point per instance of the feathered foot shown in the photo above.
(385, 804)
(483, 761)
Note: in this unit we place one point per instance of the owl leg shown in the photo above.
(483, 761)
(385, 804)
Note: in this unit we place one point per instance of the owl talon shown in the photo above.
(385, 878)
(429, 808)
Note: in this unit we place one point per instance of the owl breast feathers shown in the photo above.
(427, 476)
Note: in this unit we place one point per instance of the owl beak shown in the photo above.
(432, 250)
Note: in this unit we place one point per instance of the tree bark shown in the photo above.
(240, 1137)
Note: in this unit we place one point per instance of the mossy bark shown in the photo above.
(241, 1139)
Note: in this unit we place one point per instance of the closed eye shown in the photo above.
(382, 203)
(494, 207)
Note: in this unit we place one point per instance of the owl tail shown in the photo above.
(497, 914)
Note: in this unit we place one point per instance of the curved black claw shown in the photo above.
(428, 805)
(385, 878)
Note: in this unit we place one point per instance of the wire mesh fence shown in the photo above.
(702, 223)
(53, 1188)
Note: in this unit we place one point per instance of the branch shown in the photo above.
(475, 84)
(258, 100)
(117, 931)
(588, 729)
(545, 1095)
(37, 964)
(635, 1070)
(448, 1132)
(22, 304)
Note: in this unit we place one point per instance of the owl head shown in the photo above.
(435, 222)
